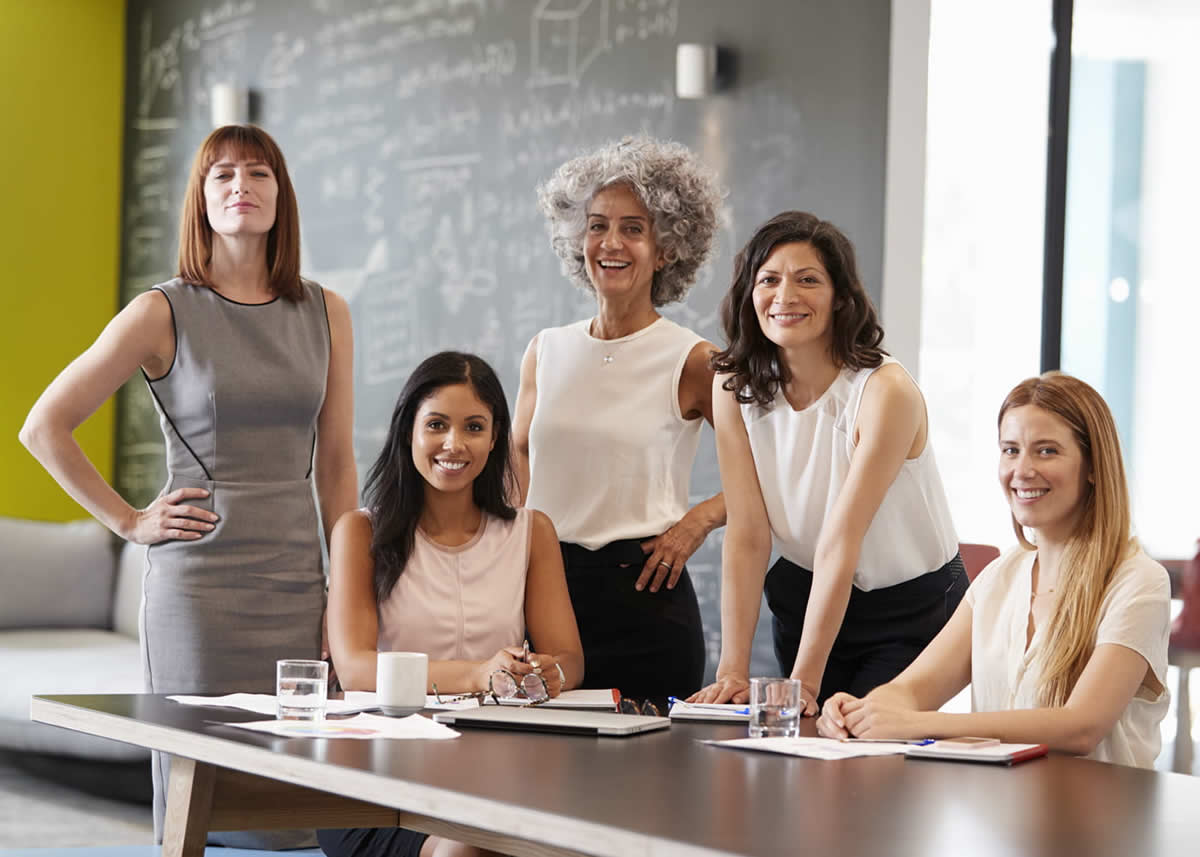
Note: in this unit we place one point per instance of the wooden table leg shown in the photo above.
(1182, 763)
(189, 805)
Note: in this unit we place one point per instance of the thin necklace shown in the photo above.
(614, 345)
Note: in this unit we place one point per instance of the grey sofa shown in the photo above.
(69, 597)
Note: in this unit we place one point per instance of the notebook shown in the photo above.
(714, 711)
(538, 718)
(994, 754)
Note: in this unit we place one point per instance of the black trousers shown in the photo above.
(371, 842)
(883, 632)
(650, 645)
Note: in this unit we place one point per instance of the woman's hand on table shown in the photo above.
(730, 688)
(669, 552)
(832, 722)
(844, 716)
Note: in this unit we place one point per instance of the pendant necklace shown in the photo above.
(612, 347)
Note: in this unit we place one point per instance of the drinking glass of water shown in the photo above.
(775, 707)
(300, 689)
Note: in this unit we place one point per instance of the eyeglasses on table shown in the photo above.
(504, 685)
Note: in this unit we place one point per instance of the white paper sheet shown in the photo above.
(814, 748)
(681, 710)
(356, 701)
(359, 726)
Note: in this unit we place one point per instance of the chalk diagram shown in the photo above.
(567, 37)
(459, 281)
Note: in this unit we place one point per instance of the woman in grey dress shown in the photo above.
(250, 368)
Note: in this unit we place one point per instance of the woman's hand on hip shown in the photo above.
(169, 518)
(669, 552)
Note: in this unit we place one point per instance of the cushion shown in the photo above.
(56, 575)
(127, 599)
(64, 661)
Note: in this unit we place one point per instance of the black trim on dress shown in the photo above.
(174, 333)
(171, 423)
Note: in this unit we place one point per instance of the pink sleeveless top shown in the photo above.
(461, 603)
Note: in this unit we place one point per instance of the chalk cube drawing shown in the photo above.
(567, 36)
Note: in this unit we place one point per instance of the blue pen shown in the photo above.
(712, 707)
(919, 742)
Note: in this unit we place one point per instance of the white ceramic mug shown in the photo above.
(400, 682)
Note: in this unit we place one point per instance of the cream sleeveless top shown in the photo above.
(465, 602)
(802, 459)
(610, 454)
(1136, 613)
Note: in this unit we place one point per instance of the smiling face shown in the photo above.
(794, 297)
(240, 196)
(619, 249)
(452, 437)
(1043, 472)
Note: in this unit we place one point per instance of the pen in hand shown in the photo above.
(920, 742)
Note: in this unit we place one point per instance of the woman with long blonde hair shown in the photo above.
(1064, 638)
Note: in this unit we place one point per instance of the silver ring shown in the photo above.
(665, 565)
(562, 678)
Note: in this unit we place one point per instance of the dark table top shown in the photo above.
(664, 792)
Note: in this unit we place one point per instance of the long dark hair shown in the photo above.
(753, 360)
(395, 489)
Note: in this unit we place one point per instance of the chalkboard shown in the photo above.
(416, 131)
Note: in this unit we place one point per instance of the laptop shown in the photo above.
(540, 719)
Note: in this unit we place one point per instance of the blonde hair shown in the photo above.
(1102, 538)
(243, 142)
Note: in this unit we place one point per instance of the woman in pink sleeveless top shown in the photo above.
(439, 562)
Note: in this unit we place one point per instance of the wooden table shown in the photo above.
(662, 793)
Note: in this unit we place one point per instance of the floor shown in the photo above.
(37, 813)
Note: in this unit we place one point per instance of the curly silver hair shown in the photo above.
(680, 193)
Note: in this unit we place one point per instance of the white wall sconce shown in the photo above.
(230, 104)
(697, 70)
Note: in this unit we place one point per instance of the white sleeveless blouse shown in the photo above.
(465, 602)
(802, 459)
(610, 454)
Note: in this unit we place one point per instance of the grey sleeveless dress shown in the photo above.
(239, 409)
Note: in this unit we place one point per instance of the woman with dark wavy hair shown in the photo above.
(609, 413)
(823, 442)
(439, 562)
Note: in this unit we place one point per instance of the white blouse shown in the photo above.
(1135, 613)
(802, 459)
(610, 453)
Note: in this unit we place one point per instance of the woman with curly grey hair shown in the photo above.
(608, 416)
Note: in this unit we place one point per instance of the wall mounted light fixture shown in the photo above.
(697, 73)
(230, 104)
